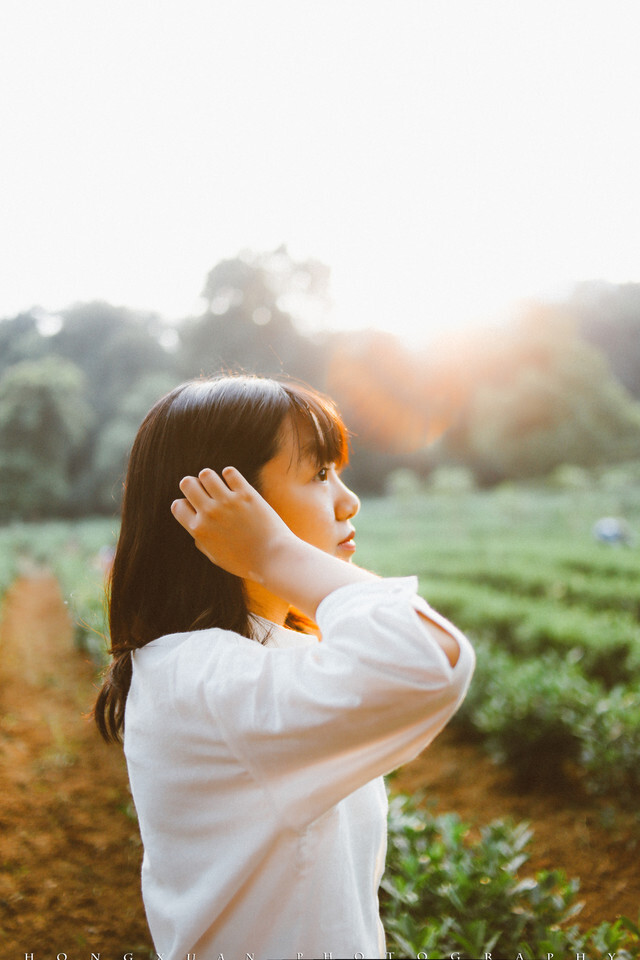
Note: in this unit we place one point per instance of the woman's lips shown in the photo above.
(348, 543)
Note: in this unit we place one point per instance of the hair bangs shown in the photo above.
(328, 439)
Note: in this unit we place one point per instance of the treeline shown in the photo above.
(560, 384)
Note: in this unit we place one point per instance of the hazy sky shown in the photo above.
(442, 156)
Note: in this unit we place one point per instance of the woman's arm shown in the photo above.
(237, 530)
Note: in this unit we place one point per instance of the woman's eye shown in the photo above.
(322, 475)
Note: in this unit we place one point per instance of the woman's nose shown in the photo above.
(347, 503)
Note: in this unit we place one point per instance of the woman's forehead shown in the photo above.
(313, 432)
(300, 442)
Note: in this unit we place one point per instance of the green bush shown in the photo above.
(610, 744)
(445, 893)
(531, 713)
(545, 720)
(451, 480)
(404, 483)
(605, 643)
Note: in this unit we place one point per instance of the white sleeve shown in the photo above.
(313, 724)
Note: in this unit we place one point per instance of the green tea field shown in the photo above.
(523, 810)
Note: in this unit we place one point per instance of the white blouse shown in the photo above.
(256, 772)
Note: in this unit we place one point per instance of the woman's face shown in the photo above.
(314, 503)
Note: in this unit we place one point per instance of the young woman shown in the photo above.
(263, 682)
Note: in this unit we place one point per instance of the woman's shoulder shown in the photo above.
(218, 645)
(188, 640)
(185, 661)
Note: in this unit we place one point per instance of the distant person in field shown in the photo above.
(613, 530)
(263, 682)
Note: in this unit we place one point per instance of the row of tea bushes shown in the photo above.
(445, 894)
(605, 641)
(545, 719)
(553, 614)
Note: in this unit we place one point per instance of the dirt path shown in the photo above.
(69, 868)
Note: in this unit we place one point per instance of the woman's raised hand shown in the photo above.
(237, 529)
(230, 522)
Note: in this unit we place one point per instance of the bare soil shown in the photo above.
(70, 850)
(71, 853)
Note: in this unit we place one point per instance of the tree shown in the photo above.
(20, 339)
(248, 326)
(266, 280)
(608, 316)
(116, 348)
(113, 442)
(394, 400)
(540, 398)
(44, 418)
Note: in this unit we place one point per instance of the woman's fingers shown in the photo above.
(235, 480)
(213, 484)
(204, 488)
(183, 512)
(203, 492)
(209, 497)
(228, 480)
(192, 489)
(229, 521)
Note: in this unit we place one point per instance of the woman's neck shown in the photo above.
(263, 603)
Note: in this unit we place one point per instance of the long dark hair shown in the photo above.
(160, 582)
